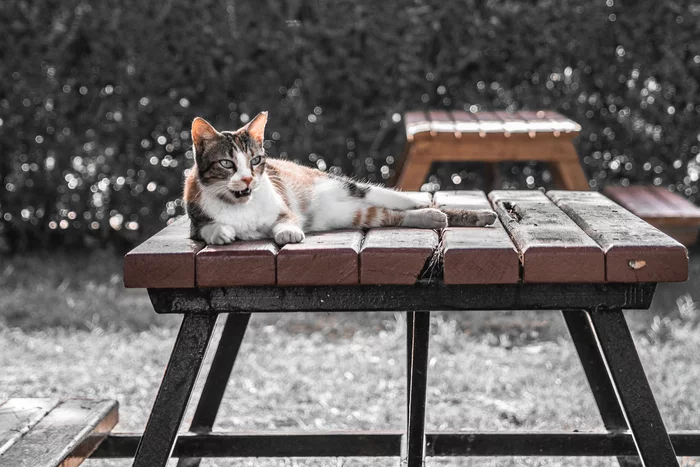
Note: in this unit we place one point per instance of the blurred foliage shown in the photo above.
(96, 98)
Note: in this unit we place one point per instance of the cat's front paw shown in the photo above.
(289, 234)
(217, 234)
(485, 217)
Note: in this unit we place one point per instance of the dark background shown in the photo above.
(96, 99)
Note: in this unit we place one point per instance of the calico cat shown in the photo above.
(234, 191)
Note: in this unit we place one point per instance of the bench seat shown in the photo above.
(52, 433)
(669, 212)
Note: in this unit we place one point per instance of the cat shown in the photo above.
(234, 191)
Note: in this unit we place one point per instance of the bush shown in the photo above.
(96, 99)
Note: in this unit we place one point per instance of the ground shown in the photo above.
(322, 371)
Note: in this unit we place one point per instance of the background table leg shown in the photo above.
(410, 323)
(217, 379)
(419, 388)
(581, 331)
(180, 375)
(625, 368)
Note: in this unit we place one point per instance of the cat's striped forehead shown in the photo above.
(240, 141)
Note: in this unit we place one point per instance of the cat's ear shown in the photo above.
(202, 131)
(256, 127)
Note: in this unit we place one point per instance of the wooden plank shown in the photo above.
(18, 416)
(465, 122)
(396, 255)
(642, 202)
(64, 437)
(166, 260)
(476, 255)
(686, 209)
(240, 263)
(489, 122)
(512, 123)
(634, 250)
(552, 247)
(323, 258)
(416, 122)
(441, 122)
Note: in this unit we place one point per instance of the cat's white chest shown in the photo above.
(251, 220)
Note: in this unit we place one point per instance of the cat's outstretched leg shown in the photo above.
(426, 218)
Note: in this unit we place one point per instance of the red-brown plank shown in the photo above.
(489, 122)
(465, 122)
(686, 209)
(634, 250)
(441, 122)
(553, 249)
(240, 263)
(165, 260)
(642, 202)
(512, 123)
(416, 122)
(323, 258)
(476, 255)
(396, 255)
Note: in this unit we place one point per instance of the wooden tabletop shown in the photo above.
(459, 123)
(558, 237)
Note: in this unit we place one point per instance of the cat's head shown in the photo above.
(230, 164)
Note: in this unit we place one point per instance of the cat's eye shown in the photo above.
(226, 164)
(256, 160)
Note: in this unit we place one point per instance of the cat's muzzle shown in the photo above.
(240, 194)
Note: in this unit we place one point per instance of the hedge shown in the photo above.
(96, 99)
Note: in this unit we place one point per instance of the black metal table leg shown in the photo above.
(217, 379)
(642, 413)
(180, 375)
(581, 331)
(410, 323)
(418, 389)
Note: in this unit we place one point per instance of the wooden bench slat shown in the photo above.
(685, 208)
(165, 260)
(18, 416)
(634, 250)
(323, 258)
(489, 122)
(441, 122)
(465, 122)
(552, 247)
(65, 436)
(512, 123)
(643, 202)
(416, 122)
(396, 255)
(240, 263)
(476, 255)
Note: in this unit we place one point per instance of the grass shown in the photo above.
(301, 371)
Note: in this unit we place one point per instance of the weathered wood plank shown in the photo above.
(323, 258)
(396, 255)
(634, 250)
(240, 263)
(165, 260)
(416, 122)
(552, 247)
(441, 122)
(64, 437)
(18, 416)
(654, 203)
(476, 255)
(489, 122)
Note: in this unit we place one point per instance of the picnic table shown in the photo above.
(489, 138)
(577, 252)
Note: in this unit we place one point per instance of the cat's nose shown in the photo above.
(247, 180)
